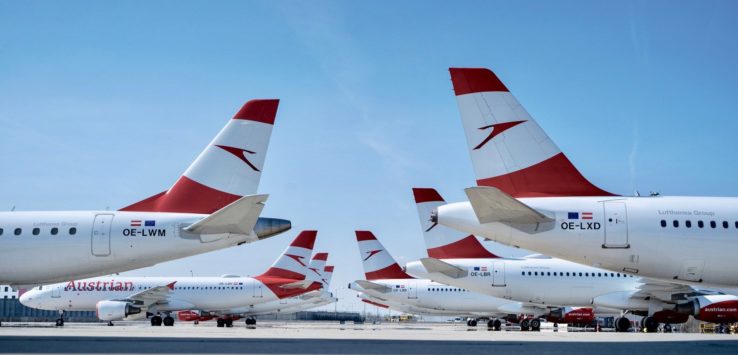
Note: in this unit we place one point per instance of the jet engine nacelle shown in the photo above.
(267, 227)
(671, 317)
(115, 310)
(571, 315)
(712, 308)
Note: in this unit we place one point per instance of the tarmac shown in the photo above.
(333, 338)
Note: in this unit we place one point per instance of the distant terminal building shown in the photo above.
(7, 292)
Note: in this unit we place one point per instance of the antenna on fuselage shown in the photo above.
(637, 193)
(654, 194)
(12, 209)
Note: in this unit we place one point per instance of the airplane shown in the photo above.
(129, 298)
(389, 285)
(211, 206)
(529, 195)
(319, 272)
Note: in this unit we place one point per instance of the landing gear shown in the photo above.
(524, 325)
(60, 320)
(229, 323)
(650, 325)
(110, 323)
(220, 322)
(156, 321)
(535, 324)
(250, 321)
(667, 328)
(622, 324)
(168, 321)
(494, 324)
(471, 322)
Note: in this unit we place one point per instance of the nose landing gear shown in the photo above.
(60, 320)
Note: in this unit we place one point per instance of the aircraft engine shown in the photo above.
(115, 310)
(711, 308)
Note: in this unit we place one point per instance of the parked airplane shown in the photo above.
(293, 304)
(212, 206)
(117, 297)
(388, 283)
(531, 196)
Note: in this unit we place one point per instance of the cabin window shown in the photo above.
(535, 273)
(663, 223)
(700, 224)
(72, 231)
(36, 231)
(713, 224)
(548, 273)
(599, 274)
(725, 224)
(675, 223)
(54, 231)
(18, 231)
(736, 225)
(580, 274)
(1, 230)
(688, 224)
(567, 274)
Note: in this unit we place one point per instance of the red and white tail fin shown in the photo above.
(509, 150)
(317, 264)
(229, 168)
(327, 276)
(443, 242)
(291, 267)
(292, 264)
(378, 263)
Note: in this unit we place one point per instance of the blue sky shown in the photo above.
(103, 104)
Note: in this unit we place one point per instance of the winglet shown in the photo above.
(171, 285)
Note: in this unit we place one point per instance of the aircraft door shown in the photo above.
(412, 292)
(101, 234)
(258, 291)
(498, 274)
(616, 225)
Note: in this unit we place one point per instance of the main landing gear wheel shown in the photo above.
(110, 323)
(250, 321)
(535, 324)
(229, 323)
(220, 323)
(168, 321)
(472, 323)
(622, 324)
(156, 321)
(650, 324)
(524, 325)
(60, 320)
(667, 328)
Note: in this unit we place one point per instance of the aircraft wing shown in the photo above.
(158, 294)
(297, 284)
(669, 292)
(490, 204)
(237, 218)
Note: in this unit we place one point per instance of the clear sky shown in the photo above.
(105, 103)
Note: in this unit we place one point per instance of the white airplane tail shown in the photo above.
(230, 166)
(377, 262)
(508, 148)
(443, 242)
(317, 264)
(327, 276)
(287, 276)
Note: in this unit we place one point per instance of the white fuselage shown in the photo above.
(688, 240)
(537, 281)
(433, 296)
(56, 246)
(201, 293)
(286, 305)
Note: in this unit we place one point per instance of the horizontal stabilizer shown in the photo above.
(237, 218)
(297, 284)
(441, 267)
(490, 205)
(368, 285)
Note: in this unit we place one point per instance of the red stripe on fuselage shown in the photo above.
(555, 176)
(390, 272)
(467, 248)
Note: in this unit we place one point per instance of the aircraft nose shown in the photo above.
(26, 299)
